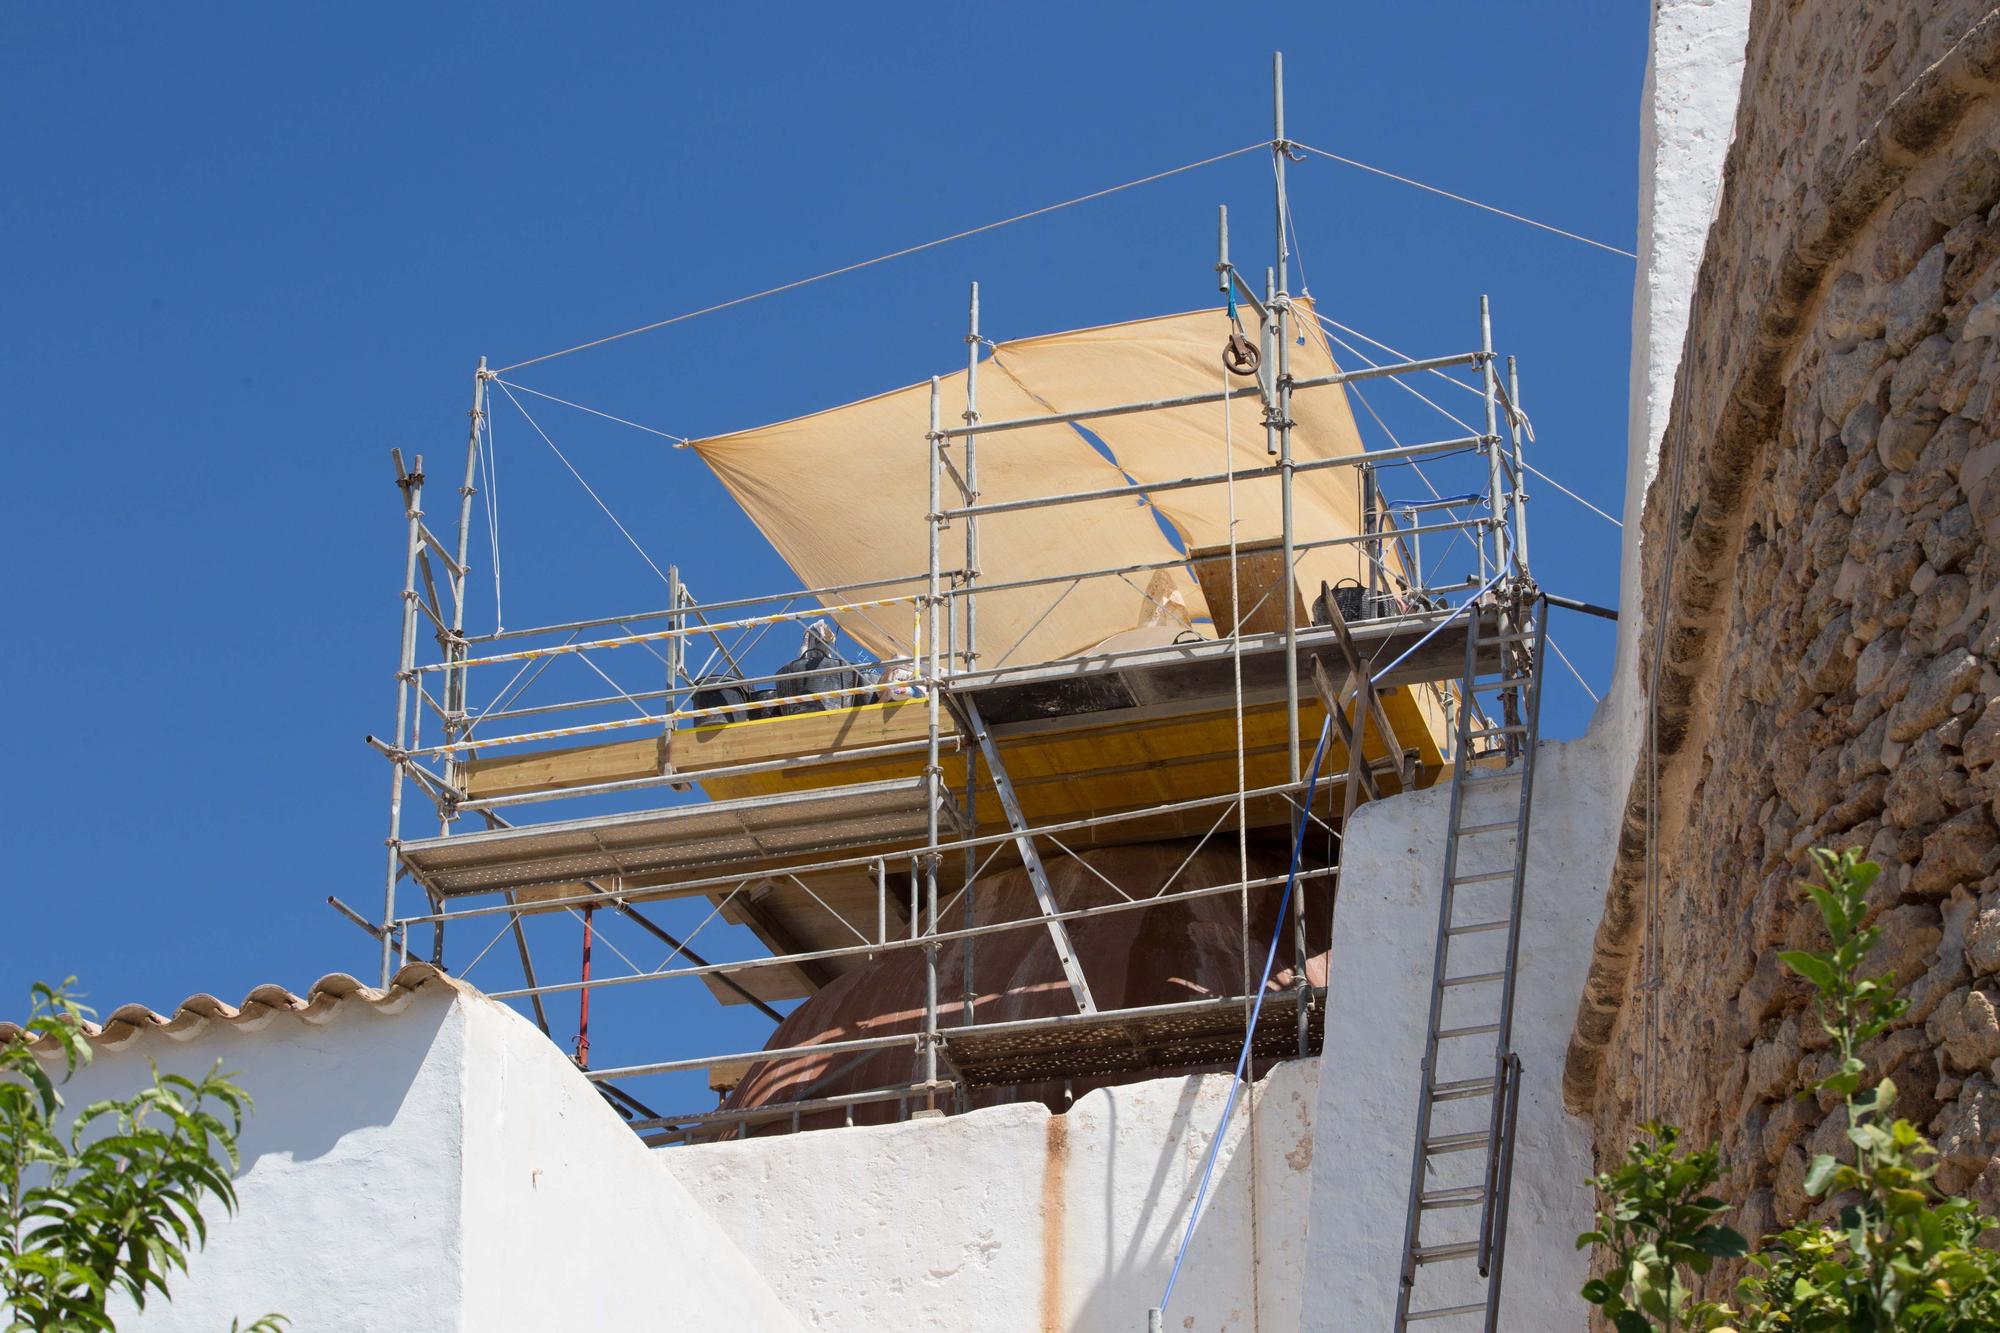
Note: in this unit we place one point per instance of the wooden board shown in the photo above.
(1260, 579)
(574, 766)
(697, 749)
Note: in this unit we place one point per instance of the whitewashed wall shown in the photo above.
(1687, 112)
(1378, 994)
(435, 1164)
(1010, 1219)
(351, 1160)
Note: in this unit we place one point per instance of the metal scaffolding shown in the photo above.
(482, 873)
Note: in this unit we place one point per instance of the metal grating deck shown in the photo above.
(1205, 670)
(680, 840)
(1164, 1038)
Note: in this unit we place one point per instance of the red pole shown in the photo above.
(583, 1004)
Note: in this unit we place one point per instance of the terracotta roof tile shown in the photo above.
(324, 995)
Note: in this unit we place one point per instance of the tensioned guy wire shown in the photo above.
(663, 434)
(1459, 198)
(581, 482)
(797, 283)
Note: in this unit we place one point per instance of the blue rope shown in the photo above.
(1435, 499)
(1256, 1012)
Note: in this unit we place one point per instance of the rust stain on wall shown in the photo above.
(1055, 1176)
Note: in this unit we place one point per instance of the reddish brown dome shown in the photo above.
(1180, 951)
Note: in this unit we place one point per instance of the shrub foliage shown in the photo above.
(1882, 1251)
(109, 1205)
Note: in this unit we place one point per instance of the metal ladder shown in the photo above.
(1466, 1162)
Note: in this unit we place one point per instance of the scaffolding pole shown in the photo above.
(1516, 428)
(454, 643)
(933, 768)
(969, 994)
(411, 482)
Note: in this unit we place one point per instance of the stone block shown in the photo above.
(1966, 1133)
(1966, 1029)
(1928, 701)
(1902, 437)
(1846, 377)
(1950, 538)
(1982, 935)
(1910, 937)
(1949, 972)
(1916, 302)
(1954, 853)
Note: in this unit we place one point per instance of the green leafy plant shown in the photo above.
(1661, 1220)
(111, 1205)
(1896, 1257)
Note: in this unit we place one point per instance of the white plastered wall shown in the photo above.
(1687, 112)
(1386, 925)
(1010, 1219)
(434, 1165)
(1377, 999)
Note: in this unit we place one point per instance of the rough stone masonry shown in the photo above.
(1822, 566)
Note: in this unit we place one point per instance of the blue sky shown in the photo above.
(249, 249)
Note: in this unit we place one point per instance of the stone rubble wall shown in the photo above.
(1831, 623)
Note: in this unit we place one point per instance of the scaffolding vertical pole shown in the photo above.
(1515, 429)
(454, 648)
(412, 485)
(1281, 150)
(1267, 361)
(933, 770)
(1371, 551)
(583, 997)
(971, 621)
(1490, 379)
(881, 903)
(677, 645)
(1283, 317)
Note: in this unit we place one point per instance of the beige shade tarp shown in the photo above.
(842, 494)
(1180, 355)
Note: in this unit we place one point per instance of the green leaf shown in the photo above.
(1811, 966)
(1820, 1174)
(1720, 1242)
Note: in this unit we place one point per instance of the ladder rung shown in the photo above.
(1444, 1254)
(1475, 979)
(1512, 729)
(1476, 1030)
(1462, 1197)
(1505, 638)
(1456, 1142)
(1503, 683)
(1444, 1312)
(1466, 830)
(1486, 878)
(1476, 927)
(1459, 1090)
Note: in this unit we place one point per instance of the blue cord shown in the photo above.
(1256, 1012)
